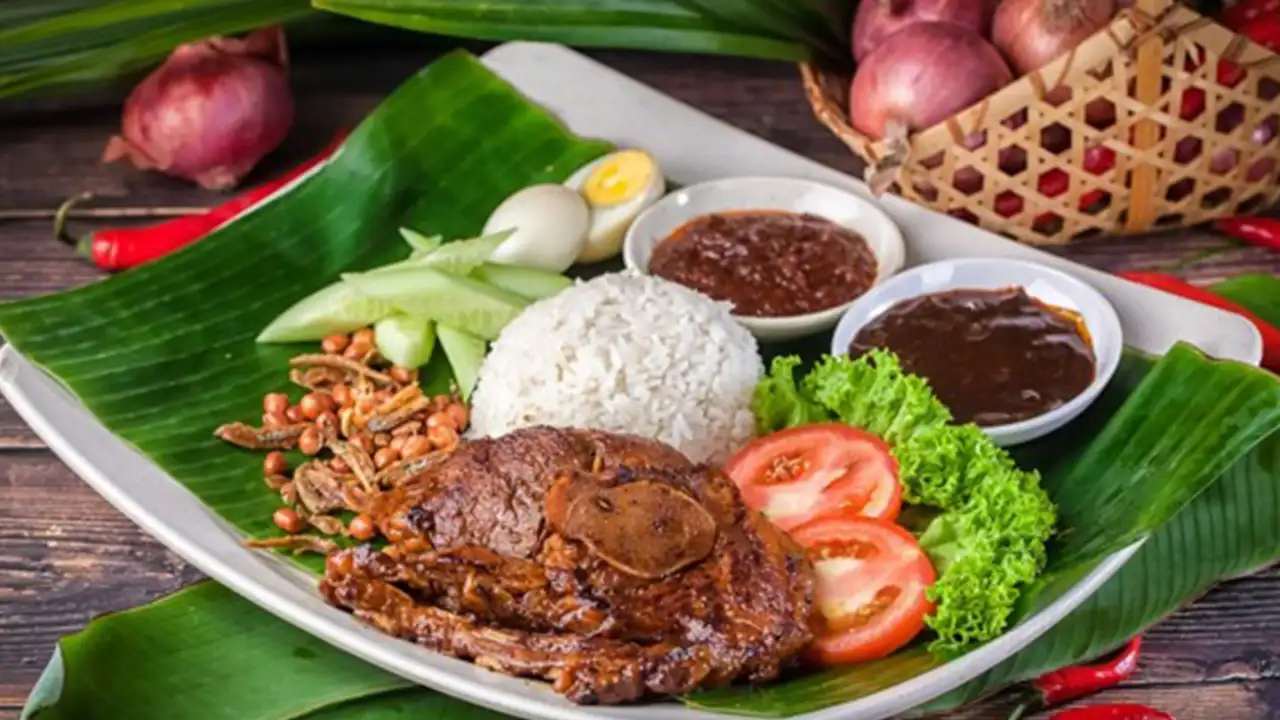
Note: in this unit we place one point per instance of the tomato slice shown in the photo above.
(870, 590)
(797, 475)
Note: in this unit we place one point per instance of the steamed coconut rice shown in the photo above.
(629, 353)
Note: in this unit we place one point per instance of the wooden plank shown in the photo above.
(67, 556)
(1232, 700)
(51, 155)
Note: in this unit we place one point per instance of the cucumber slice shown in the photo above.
(421, 243)
(462, 256)
(468, 305)
(466, 355)
(532, 283)
(338, 308)
(406, 340)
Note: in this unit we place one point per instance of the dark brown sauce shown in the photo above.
(992, 356)
(767, 263)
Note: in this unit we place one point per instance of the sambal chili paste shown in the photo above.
(768, 263)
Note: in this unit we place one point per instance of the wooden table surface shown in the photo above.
(67, 556)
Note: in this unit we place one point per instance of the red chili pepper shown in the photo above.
(1113, 712)
(123, 248)
(1076, 681)
(1182, 288)
(1260, 231)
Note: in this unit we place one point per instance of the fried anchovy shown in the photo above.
(317, 378)
(344, 364)
(327, 524)
(252, 438)
(410, 428)
(380, 422)
(356, 500)
(318, 487)
(359, 462)
(399, 472)
(298, 543)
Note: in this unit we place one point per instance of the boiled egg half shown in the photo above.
(549, 224)
(617, 188)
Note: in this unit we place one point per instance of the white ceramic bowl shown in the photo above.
(770, 193)
(1043, 283)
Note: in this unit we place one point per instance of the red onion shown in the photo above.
(1225, 160)
(210, 112)
(921, 76)
(876, 20)
(1031, 33)
(1261, 170)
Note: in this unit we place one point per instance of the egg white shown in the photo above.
(609, 225)
(550, 222)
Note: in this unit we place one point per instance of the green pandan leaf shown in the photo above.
(662, 25)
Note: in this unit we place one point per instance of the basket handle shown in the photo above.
(1150, 70)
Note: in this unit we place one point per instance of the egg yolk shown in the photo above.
(619, 178)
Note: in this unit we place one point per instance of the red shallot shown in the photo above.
(1031, 33)
(876, 20)
(922, 75)
(211, 111)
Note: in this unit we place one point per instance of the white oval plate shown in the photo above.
(1042, 283)
(593, 101)
(770, 193)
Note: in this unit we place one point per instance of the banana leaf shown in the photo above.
(1232, 528)
(162, 353)
(240, 670)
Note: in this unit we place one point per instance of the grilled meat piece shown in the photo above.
(607, 564)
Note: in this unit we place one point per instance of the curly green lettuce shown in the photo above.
(987, 541)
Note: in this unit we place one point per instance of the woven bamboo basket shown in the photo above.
(1148, 137)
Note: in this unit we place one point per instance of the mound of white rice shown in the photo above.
(629, 353)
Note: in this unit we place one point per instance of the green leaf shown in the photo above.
(790, 18)
(163, 353)
(1188, 421)
(204, 653)
(1233, 528)
(1259, 293)
(404, 705)
(88, 42)
(636, 24)
(76, 44)
(420, 243)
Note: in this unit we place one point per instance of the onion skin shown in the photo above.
(921, 76)
(1032, 33)
(210, 112)
(877, 20)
